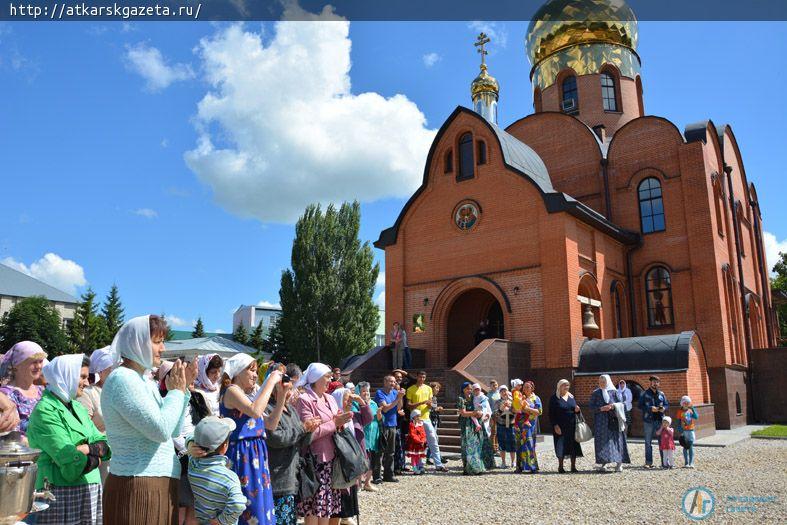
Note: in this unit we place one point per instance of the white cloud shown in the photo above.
(218, 331)
(497, 34)
(431, 59)
(146, 212)
(772, 248)
(268, 304)
(149, 63)
(164, 143)
(380, 300)
(380, 280)
(281, 129)
(178, 322)
(63, 274)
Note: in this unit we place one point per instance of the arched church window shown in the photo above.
(608, 92)
(718, 200)
(570, 97)
(651, 206)
(481, 152)
(449, 161)
(738, 404)
(658, 292)
(466, 169)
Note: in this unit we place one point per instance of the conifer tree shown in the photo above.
(240, 335)
(113, 314)
(88, 330)
(199, 329)
(257, 339)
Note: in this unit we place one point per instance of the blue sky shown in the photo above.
(119, 143)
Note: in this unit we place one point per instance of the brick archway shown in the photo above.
(457, 313)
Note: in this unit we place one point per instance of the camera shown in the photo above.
(285, 379)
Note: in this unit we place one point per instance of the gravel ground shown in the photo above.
(751, 468)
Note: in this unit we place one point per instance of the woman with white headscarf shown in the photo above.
(101, 364)
(208, 381)
(71, 446)
(248, 451)
(142, 486)
(315, 402)
(609, 440)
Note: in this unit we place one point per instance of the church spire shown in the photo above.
(484, 89)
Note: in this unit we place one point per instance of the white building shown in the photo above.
(15, 286)
(250, 317)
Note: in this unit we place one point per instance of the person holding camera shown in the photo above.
(654, 406)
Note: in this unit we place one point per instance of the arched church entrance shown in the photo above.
(464, 320)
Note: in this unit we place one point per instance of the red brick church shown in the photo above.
(594, 237)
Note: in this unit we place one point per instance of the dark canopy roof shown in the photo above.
(653, 353)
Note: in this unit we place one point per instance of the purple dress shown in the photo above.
(24, 404)
(248, 455)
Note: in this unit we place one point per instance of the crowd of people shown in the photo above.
(127, 438)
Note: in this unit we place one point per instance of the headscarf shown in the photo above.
(338, 395)
(203, 381)
(237, 364)
(465, 385)
(101, 359)
(415, 413)
(561, 383)
(607, 387)
(133, 342)
(667, 419)
(63, 374)
(22, 351)
(314, 372)
(685, 399)
(164, 369)
(515, 383)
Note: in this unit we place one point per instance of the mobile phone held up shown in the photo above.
(285, 379)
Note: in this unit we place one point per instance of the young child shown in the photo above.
(481, 404)
(217, 492)
(666, 442)
(434, 414)
(416, 442)
(687, 417)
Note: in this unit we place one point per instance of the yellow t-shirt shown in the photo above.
(416, 394)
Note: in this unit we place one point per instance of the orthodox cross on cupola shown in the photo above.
(480, 42)
(484, 89)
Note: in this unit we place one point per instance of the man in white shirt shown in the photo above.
(625, 395)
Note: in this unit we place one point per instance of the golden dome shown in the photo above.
(484, 83)
(559, 24)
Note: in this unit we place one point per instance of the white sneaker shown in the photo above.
(691, 465)
(619, 467)
(599, 467)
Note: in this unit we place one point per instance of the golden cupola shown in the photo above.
(582, 35)
(484, 90)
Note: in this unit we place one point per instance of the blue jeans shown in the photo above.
(407, 359)
(431, 440)
(650, 428)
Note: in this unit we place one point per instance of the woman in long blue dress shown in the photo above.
(609, 440)
(527, 429)
(248, 452)
(477, 453)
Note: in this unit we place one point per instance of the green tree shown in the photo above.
(779, 283)
(113, 313)
(34, 319)
(257, 338)
(326, 297)
(274, 344)
(170, 335)
(199, 328)
(240, 335)
(88, 330)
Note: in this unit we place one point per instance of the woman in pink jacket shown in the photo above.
(316, 403)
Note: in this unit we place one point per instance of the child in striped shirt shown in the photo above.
(218, 498)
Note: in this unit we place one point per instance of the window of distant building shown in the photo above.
(658, 291)
(466, 168)
(617, 303)
(651, 206)
(570, 98)
(609, 94)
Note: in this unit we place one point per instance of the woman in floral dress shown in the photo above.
(22, 366)
(477, 453)
(248, 452)
(527, 429)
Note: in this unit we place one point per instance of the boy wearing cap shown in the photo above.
(217, 492)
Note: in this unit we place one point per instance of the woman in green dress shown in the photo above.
(477, 453)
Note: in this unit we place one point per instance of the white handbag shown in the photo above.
(582, 433)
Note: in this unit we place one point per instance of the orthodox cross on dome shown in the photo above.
(481, 41)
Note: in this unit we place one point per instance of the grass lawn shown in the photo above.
(772, 431)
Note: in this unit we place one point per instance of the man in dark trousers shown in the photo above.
(654, 406)
(389, 401)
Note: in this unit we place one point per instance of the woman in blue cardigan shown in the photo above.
(142, 486)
